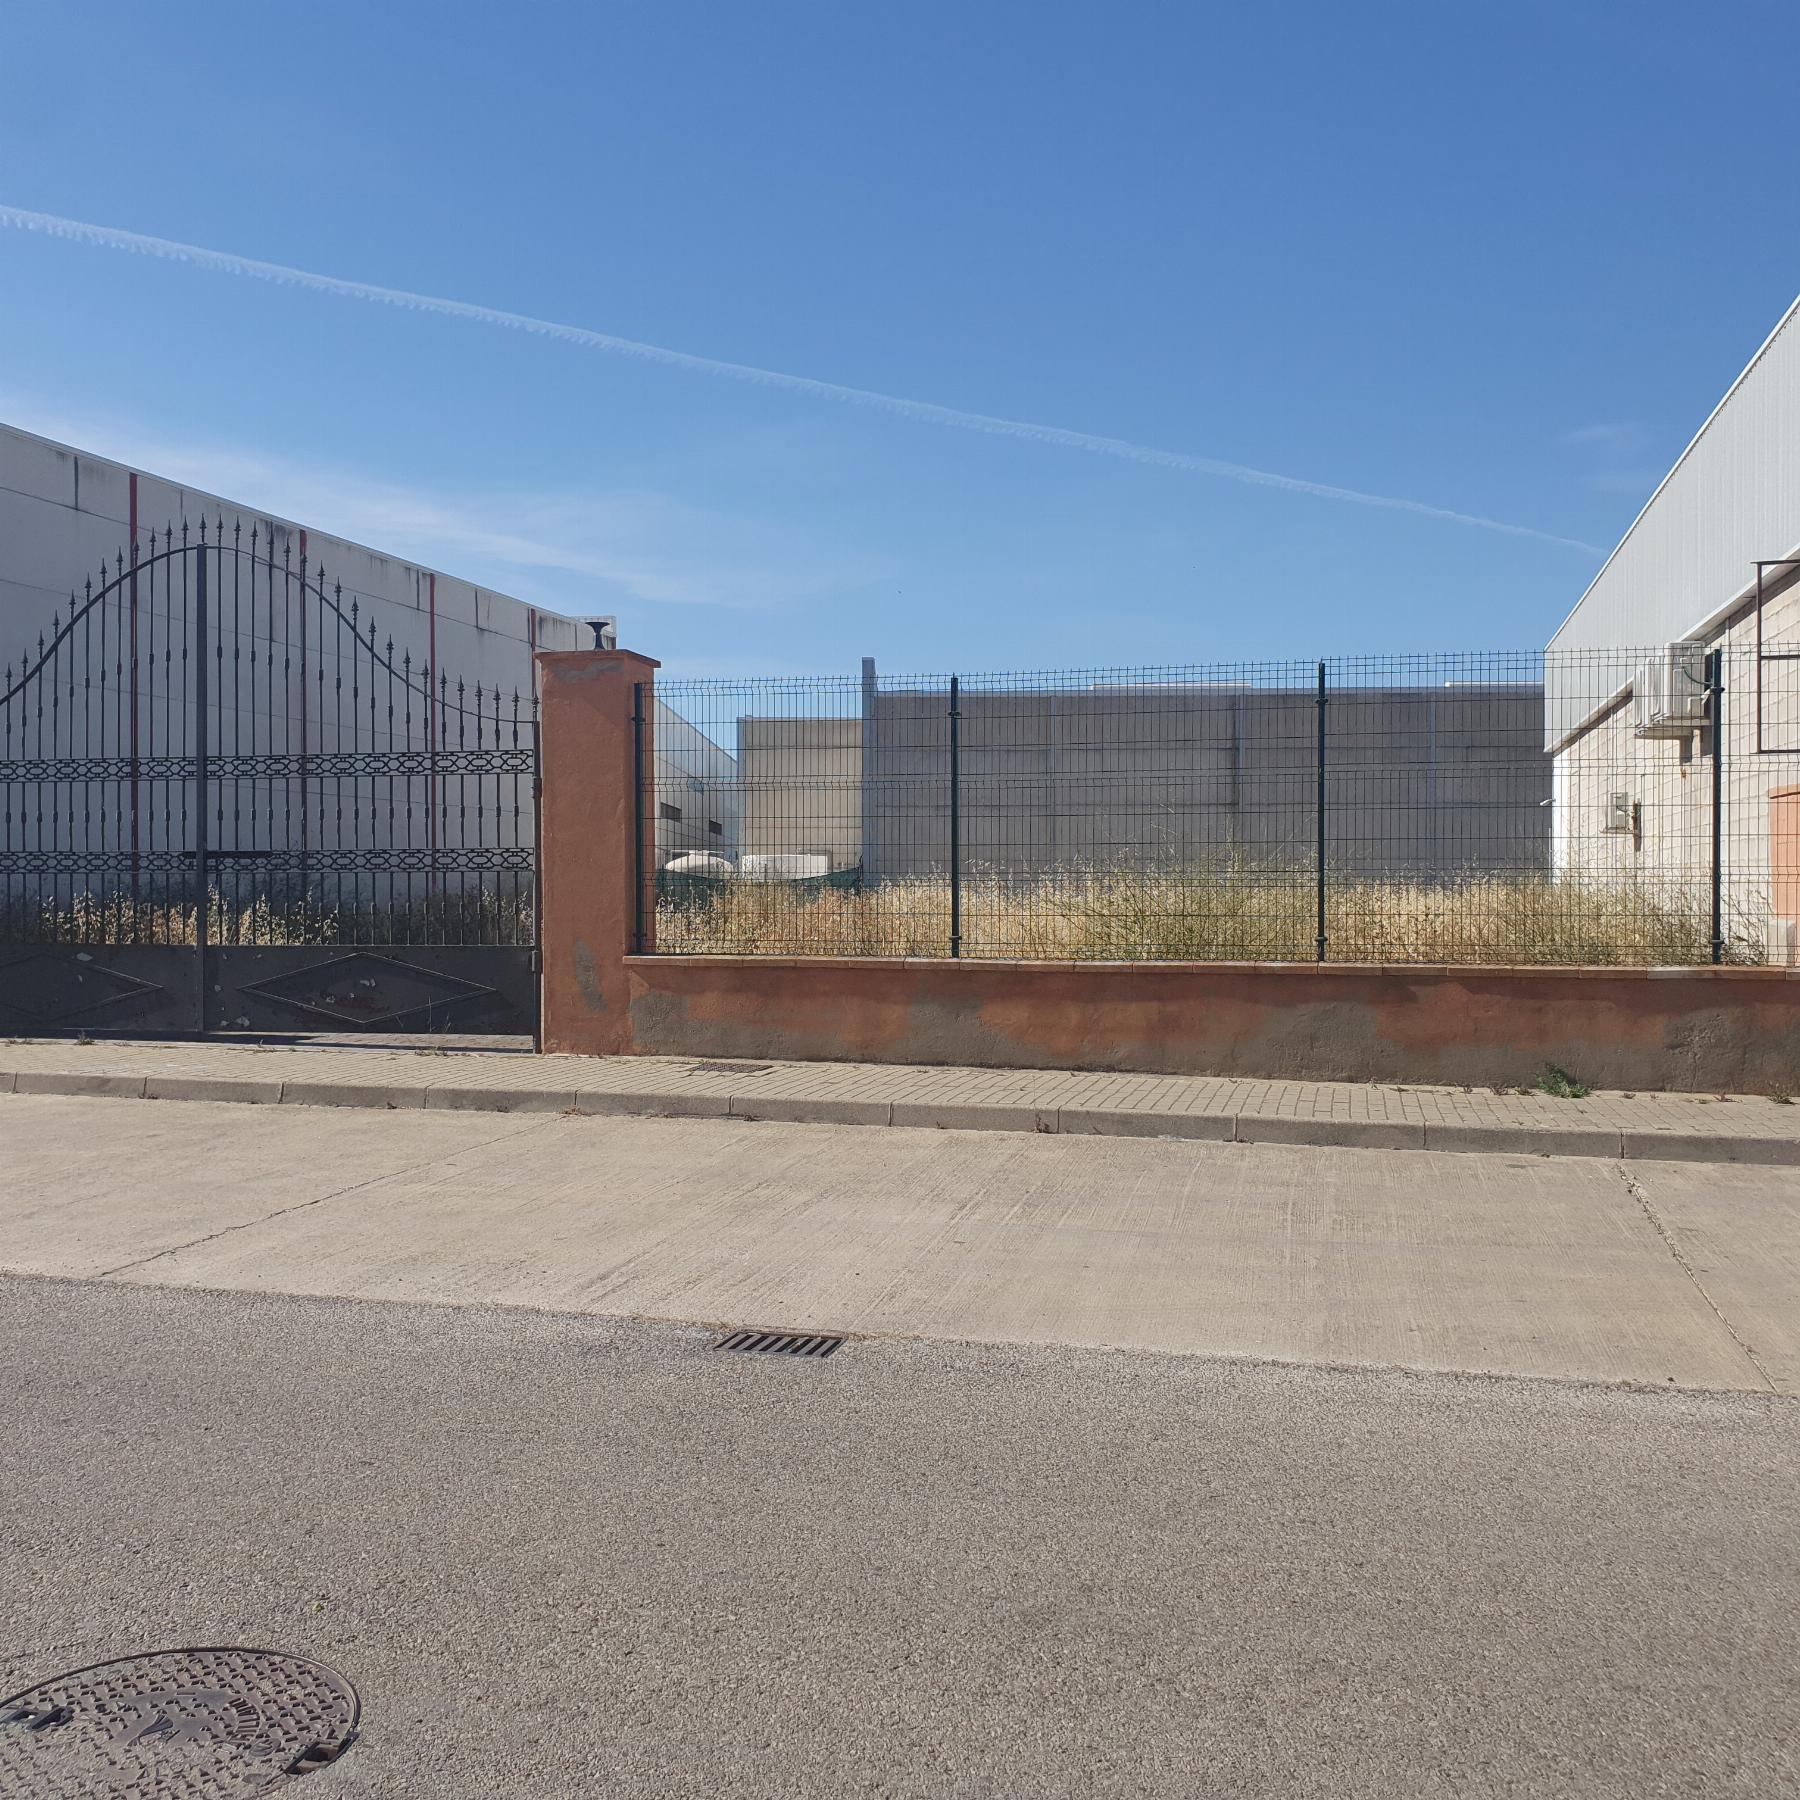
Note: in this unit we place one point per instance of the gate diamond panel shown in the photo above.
(54, 987)
(367, 990)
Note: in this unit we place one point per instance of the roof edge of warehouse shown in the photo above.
(1725, 399)
(275, 518)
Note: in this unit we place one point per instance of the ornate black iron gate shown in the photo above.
(230, 806)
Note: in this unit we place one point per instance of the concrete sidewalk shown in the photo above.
(1660, 1127)
(1681, 1274)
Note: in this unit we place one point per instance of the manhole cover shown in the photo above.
(730, 1068)
(780, 1343)
(175, 1725)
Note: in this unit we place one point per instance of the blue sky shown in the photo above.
(1495, 259)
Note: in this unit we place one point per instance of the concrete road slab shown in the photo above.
(85, 1190)
(1738, 1229)
(1500, 1140)
(1100, 1121)
(1522, 1265)
(1706, 1147)
(701, 1103)
(519, 1099)
(802, 1109)
(31, 1081)
(952, 1115)
(376, 1096)
(1364, 1134)
(238, 1091)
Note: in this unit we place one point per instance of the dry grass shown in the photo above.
(1230, 913)
(474, 918)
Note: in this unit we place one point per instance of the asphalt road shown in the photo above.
(563, 1556)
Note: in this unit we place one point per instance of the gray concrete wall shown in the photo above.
(1419, 781)
(802, 788)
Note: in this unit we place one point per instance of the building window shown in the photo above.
(667, 811)
(715, 827)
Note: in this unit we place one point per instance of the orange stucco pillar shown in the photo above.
(589, 866)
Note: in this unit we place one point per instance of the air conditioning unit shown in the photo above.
(1668, 694)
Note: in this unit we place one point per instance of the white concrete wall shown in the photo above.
(1687, 569)
(66, 514)
(1666, 860)
(698, 780)
(66, 521)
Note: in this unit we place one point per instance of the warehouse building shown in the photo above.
(68, 522)
(68, 517)
(1704, 587)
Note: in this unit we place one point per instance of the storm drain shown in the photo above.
(779, 1343)
(175, 1725)
(730, 1068)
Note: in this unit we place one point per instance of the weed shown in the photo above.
(1559, 1084)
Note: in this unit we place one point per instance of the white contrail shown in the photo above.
(225, 263)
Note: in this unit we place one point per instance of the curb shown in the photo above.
(1227, 1128)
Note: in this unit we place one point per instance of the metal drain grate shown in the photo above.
(175, 1725)
(780, 1343)
(730, 1068)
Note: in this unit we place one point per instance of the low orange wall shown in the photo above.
(1706, 1030)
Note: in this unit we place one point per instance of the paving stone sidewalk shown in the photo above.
(1725, 1128)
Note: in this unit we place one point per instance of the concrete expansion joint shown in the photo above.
(1638, 1193)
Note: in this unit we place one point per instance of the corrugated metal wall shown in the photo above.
(1734, 497)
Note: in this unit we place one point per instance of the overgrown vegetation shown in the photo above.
(476, 917)
(1229, 912)
(1235, 912)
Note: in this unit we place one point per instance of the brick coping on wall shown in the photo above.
(1470, 971)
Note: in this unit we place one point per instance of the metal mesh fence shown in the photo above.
(1504, 808)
